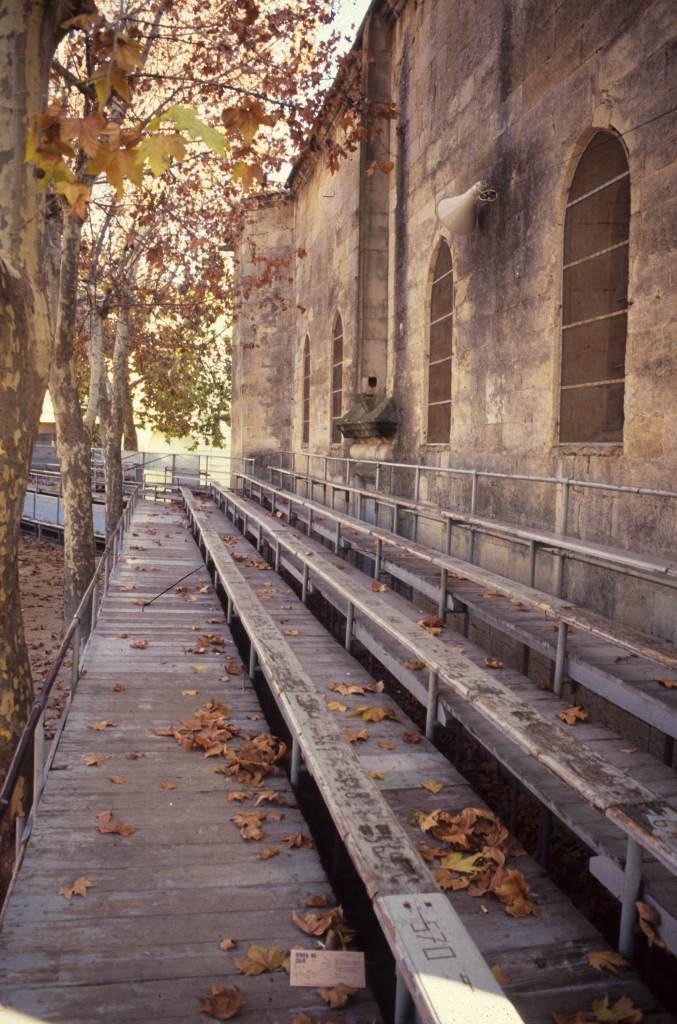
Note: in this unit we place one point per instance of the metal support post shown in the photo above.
(631, 889)
(304, 584)
(310, 521)
(259, 538)
(377, 484)
(431, 707)
(295, 768)
(378, 559)
(560, 656)
(396, 519)
(447, 537)
(229, 610)
(562, 521)
(338, 538)
(473, 510)
(277, 557)
(350, 619)
(442, 606)
(95, 601)
(532, 563)
(253, 661)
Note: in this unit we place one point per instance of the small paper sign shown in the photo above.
(325, 968)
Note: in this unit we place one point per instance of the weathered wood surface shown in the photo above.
(545, 738)
(142, 945)
(545, 957)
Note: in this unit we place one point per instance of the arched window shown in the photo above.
(595, 295)
(305, 432)
(336, 378)
(439, 348)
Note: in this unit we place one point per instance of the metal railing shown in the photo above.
(30, 759)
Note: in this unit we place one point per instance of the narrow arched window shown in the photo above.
(305, 432)
(439, 348)
(595, 295)
(336, 378)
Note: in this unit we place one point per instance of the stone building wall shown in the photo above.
(507, 92)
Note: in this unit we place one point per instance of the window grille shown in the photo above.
(441, 317)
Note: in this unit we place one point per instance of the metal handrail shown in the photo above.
(33, 733)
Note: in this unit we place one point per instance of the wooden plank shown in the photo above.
(451, 981)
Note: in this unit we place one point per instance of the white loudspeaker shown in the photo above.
(458, 214)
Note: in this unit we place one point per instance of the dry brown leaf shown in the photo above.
(373, 713)
(623, 1011)
(260, 959)
(227, 943)
(318, 924)
(104, 724)
(139, 644)
(117, 780)
(378, 687)
(298, 840)
(411, 737)
(134, 755)
(414, 666)
(107, 824)
(649, 919)
(493, 663)
(291, 632)
(385, 745)
(223, 1002)
(119, 688)
(346, 689)
(432, 624)
(336, 705)
(668, 682)
(607, 960)
(238, 795)
(300, 1018)
(189, 693)
(378, 588)
(432, 786)
(271, 796)
(317, 901)
(267, 852)
(573, 715)
(376, 775)
(168, 785)
(356, 734)
(500, 975)
(336, 998)
(78, 888)
(512, 891)
(93, 760)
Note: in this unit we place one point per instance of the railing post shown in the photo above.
(95, 600)
(295, 767)
(38, 759)
(404, 1004)
(562, 520)
(304, 585)
(379, 558)
(377, 484)
(442, 606)
(229, 610)
(277, 557)
(253, 661)
(338, 538)
(75, 656)
(473, 510)
(19, 823)
(431, 707)
(631, 890)
(447, 537)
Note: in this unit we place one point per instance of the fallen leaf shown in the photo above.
(189, 693)
(512, 891)
(134, 755)
(376, 775)
(385, 745)
(414, 666)
(222, 1003)
(354, 735)
(300, 1018)
(117, 780)
(336, 705)
(649, 919)
(104, 724)
(373, 714)
(336, 998)
(227, 943)
(298, 840)
(432, 786)
(607, 959)
(168, 785)
(291, 632)
(346, 689)
(93, 760)
(623, 1011)
(411, 737)
(260, 959)
(667, 682)
(463, 863)
(238, 795)
(432, 624)
(119, 688)
(108, 824)
(317, 901)
(267, 852)
(500, 975)
(493, 663)
(139, 644)
(378, 588)
(573, 715)
(78, 888)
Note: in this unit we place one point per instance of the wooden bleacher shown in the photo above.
(298, 658)
(596, 780)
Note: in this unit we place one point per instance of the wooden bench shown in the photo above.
(392, 870)
(648, 822)
(648, 701)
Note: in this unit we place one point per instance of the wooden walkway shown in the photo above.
(143, 944)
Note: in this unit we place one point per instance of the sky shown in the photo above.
(349, 17)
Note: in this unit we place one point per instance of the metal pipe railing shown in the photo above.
(32, 740)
